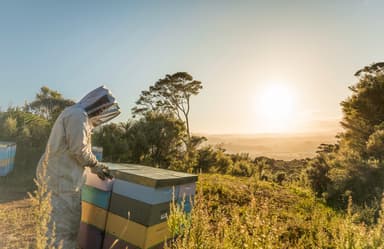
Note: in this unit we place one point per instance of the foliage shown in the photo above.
(354, 166)
(112, 137)
(41, 203)
(318, 169)
(159, 138)
(266, 215)
(363, 112)
(155, 139)
(48, 104)
(16, 225)
(170, 95)
(29, 127)
(243, 212)
(242, 168)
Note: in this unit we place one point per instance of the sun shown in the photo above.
(275, 107)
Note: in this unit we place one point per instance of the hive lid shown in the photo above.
(149, 176)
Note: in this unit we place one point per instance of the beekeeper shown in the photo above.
(67, 153)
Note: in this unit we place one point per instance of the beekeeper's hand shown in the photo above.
(102, 171)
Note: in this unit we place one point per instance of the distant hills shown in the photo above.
(277, 146)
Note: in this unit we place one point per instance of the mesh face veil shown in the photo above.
(106, 115)
(100, 106)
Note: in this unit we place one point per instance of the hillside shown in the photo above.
(233, 212)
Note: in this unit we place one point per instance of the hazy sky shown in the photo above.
(240, 50)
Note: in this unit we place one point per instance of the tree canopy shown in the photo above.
(170, 95)
(48, 104)
(355, 166)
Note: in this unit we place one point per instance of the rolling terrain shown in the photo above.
(277, 146)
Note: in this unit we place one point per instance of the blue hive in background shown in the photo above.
(7, 157)
(98, 152)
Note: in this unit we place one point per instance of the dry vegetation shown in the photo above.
(243, 213)
(16, 225)
(24, 224)
(235, 212)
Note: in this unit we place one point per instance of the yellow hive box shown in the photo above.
(93, 215)
(137, 234)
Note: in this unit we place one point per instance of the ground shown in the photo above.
(13, 233)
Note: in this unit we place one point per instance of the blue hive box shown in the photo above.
(7, 157)
(98, 152)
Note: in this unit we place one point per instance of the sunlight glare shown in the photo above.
(275, 107)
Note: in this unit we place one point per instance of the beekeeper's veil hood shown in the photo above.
(100, 106)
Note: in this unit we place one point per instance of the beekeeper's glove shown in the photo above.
(102, 171)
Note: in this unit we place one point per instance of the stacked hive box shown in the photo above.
(140, 204)
(136, 215)
(7, 157)
(95, 197)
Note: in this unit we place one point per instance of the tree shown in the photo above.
(156, 139)
(170, 95)
(242, 168)
(317, 175)
(29, 126)
(355, 164)
(10, 126)
(112, 137)
(24, 128)
(48, 104)
(363, 112)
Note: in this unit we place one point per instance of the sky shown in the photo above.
(265, 66)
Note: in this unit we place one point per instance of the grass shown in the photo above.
(16, 225)
(24, 224)
(233, 213)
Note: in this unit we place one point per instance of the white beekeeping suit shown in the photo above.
(68, 151)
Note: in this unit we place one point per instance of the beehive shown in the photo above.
(132, 209)
(140, 203)
(7, 157)
(95, 198)
(98, 152)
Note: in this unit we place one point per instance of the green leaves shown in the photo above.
(354, 165)
(48, 104)
(170, 96)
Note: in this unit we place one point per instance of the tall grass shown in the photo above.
(229, 212)
(272, 217)
(15, 225)
(41, 205)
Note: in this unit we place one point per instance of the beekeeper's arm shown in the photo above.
(78, 137)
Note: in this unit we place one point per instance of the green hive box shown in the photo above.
(132, 209)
